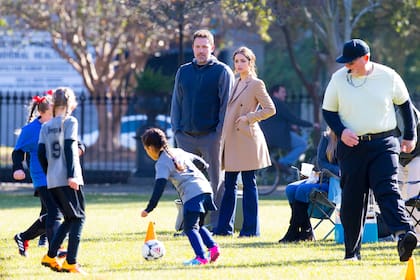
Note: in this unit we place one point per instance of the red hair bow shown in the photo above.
(49, 92)
(38, 99)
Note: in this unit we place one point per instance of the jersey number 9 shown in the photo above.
(55, 149)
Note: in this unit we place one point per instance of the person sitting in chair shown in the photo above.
(297, 193)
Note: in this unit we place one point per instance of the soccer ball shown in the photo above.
(153, 250)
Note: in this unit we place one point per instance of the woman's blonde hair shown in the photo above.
(249, 54)
(332, 144)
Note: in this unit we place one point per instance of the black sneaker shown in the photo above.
(22, 245)
(406, 244)
(307, 235)
(292, 235)
(179, 234)
(43, 241)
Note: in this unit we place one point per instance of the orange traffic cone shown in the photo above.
(410, 274)
(150, 234)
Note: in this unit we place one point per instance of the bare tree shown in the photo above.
(330, 23)
(180, 17)
(333, 22)
(101, 40)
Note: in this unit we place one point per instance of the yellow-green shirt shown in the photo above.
(367, 106)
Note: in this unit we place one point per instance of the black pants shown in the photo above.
(369, 165)
(49, 217)
(72, 204)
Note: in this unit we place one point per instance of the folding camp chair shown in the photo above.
(411, 204)
(322, 204)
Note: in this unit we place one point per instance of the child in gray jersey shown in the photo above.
(192, 186)
(59, 157)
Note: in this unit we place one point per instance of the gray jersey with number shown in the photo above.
(53, 137)
(189, 182)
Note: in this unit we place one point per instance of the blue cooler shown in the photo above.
(370, 232)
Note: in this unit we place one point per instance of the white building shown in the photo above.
(31, 65)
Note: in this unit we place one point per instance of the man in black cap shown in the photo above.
(359, 107)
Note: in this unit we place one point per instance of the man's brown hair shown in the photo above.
(204, 33)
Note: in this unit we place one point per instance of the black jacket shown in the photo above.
(277, 128)
(405, 158)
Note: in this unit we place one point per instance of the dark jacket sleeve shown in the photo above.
(176, 104)
(285, 114)
(17, 159)
(157, 194)
(334, 122)
(408, 118)
(406, 158)
(68, 152)
(42, 157)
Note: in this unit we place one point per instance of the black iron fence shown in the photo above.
(113, 153)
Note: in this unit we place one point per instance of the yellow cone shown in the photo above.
(411, 270)
(150, 234)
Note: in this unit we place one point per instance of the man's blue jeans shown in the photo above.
(298, 147)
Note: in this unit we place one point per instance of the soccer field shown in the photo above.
(114, 234)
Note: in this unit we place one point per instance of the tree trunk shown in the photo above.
(310, 87)
(105, 133)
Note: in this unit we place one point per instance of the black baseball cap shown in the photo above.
(352, 50)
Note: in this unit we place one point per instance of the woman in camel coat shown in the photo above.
(244, 148)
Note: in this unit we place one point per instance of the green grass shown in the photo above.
(114, 233)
